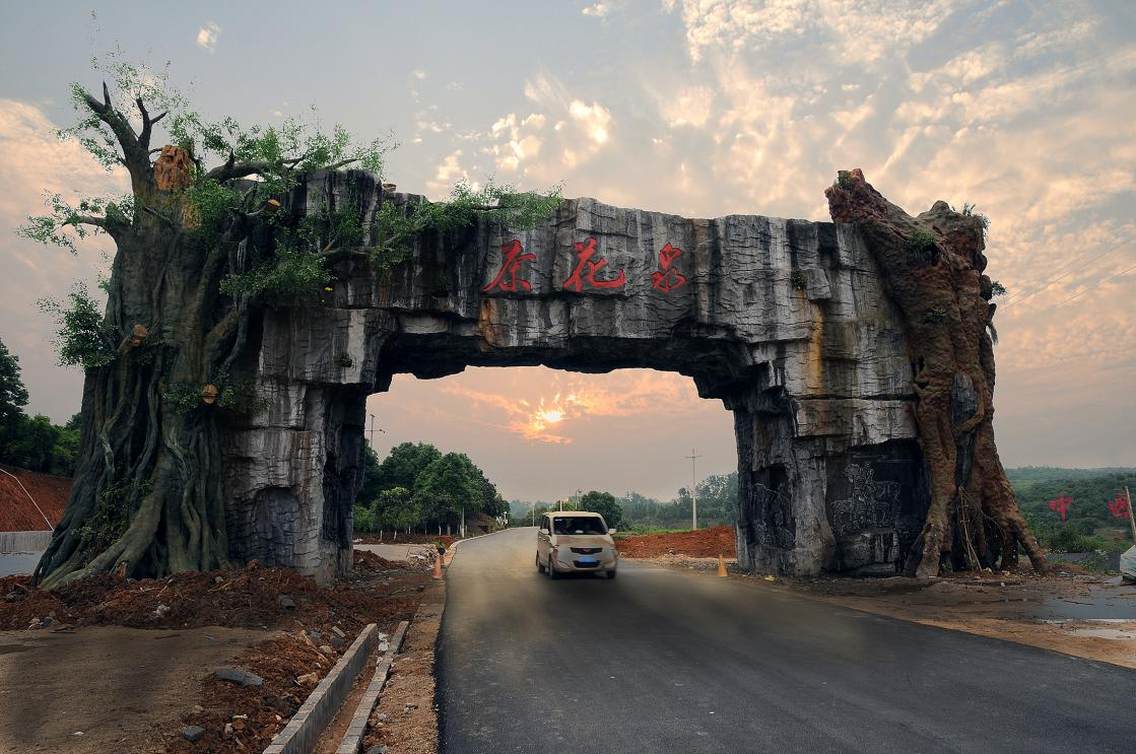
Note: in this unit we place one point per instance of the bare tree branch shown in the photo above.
(134, 152)
(342, 163)
(147, 123)
(100, 222)
(232, 169)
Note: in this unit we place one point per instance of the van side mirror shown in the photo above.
(543, 530)
(612, 531)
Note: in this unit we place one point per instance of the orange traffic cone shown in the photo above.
(722, 566)
(437, 565)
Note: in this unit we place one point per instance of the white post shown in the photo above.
(1131, 515)
(693, 491)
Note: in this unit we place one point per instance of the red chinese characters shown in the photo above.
(1118, 506)
(588, 266)
(509, 277)
(667, 278)
(1060, 506)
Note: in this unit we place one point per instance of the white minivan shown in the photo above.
(575, 542)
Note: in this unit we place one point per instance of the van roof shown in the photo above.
(573, 513)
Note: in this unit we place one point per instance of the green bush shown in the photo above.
(364, 519)
(921, 248)
(1070, 539)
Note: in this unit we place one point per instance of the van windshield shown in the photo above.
(578, 525)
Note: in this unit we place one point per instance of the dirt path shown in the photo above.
(124, 688)
(405, 719)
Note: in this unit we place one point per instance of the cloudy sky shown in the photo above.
(698, 107)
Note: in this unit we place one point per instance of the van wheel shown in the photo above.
(539, 567)
(611, 574)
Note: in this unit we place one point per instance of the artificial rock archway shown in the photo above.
(786, 321)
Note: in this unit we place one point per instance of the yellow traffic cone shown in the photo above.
(722, 566)
(437, 564)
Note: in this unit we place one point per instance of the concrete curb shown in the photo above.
(303, 731)
(451, 552)
(353, 739)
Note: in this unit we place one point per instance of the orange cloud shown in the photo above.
(542, 415)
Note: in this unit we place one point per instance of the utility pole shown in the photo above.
(1131, 515)
(371, 432)
(693, 490)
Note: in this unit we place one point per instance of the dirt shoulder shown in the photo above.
(1066, 611)
(1075, 614)
(406, 718)
(289, 632)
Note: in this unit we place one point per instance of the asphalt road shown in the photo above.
(663, 661)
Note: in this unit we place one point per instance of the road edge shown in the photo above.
(323, 704)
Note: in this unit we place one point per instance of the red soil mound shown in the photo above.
(250, 597)
(704, 543)
(18, 512)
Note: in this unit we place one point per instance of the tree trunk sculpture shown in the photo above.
(933, 268)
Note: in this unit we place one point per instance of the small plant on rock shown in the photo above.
(921, 249)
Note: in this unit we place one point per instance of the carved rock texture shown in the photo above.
(785, 321)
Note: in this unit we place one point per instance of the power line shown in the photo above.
(1098, 284)
(1072, 267)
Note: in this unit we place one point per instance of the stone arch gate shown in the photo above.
(785, 321)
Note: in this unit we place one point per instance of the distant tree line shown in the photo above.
(717, 505)
(1089, 522)
(32, 442)
(417, 487)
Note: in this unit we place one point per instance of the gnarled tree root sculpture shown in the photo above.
(933, 268)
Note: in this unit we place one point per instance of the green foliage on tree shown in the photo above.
(82, 338)
(13, 394)
(500, 203)
(396, 508)
(31, 442)
(416, 485)
(450, 485)
(404, 463)
(605, 504)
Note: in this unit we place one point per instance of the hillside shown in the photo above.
(1089, 522)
